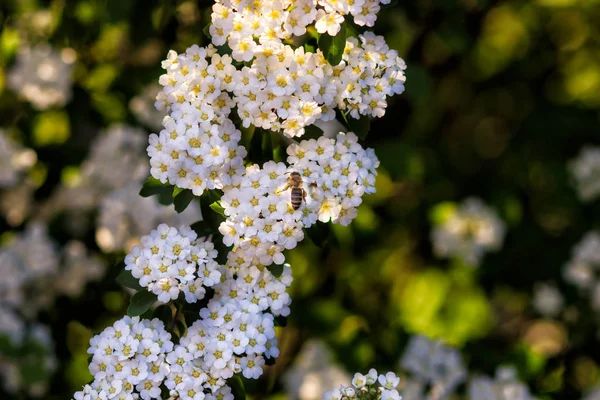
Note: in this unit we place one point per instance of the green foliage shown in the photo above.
(333, 46)
(140, 303)
(182, 198)
(127, 280)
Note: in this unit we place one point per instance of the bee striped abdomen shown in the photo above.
(297, 197)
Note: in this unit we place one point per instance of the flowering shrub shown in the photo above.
(272, 125)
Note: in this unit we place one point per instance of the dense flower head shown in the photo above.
(583, 269)
(129, 360)
(257, 286)
(369, 386)
(171, 261)
(280, 89)
(42, 75)
(231, 337)
(238, 22)
(338, 171)
(430, 361)
(369, 73)
(14, 161)
(468, 232)
(261, 221)
(585, 171)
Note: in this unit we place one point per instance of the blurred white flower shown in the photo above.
(505, 386)
(585, 171)
(469, 232)
(42, 75)
(314, 371)
(547, 299)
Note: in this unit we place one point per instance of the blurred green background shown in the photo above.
(500, 95)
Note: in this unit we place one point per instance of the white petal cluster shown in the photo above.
(338, 171)
(585, 171)
(280, 89)
(14, 161)
(469, 232)
(198, 147)
(42, 75)
(272, 21)
(583, 269)
(261, 222)
(433, 363)
(505, 386)
(369, 73)
(171, 261)
(369, 386)
(129, 361)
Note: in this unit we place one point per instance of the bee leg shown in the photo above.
(286, 187)
(304, 195)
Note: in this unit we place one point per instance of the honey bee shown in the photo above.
(298, 194)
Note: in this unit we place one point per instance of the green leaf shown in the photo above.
(153, 187)
(333, 46)
(359, 126)
(275, 270)
(126, 279)
(312, 132)
(140, 303)
(164, 312)
(206, 31)
(202, 228)
(33, 371)
(319, 234)
(237, 387)
(182, 199)
(218, 208)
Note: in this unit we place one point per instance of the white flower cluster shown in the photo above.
(171, 261)
(42, 76)
(231, 337)
(472, 229)
(370, 386)
(283, 89)
(433, 364)
(261, 222)
(505, 386)
(132, 355)
(583, 269)
(271, 21)
(14, 161)
(198, 147)
(372, 72)
(585, 170)
(339, 171)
